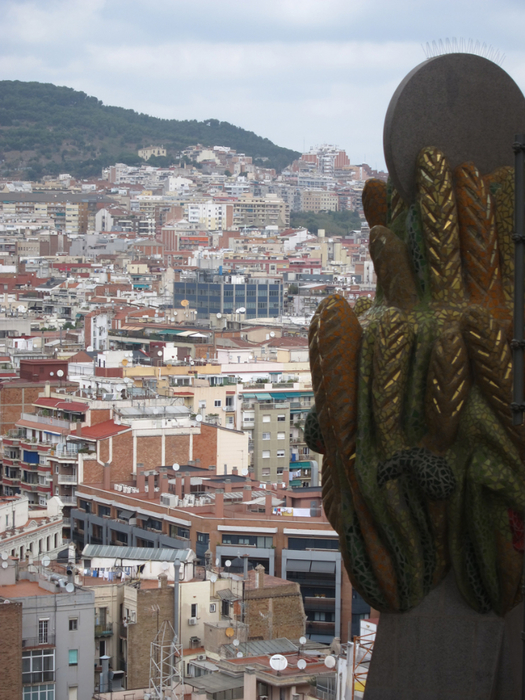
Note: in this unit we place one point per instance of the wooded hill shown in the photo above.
(45, 130)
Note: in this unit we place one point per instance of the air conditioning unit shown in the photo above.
(132, 616)
(169, 499)
(192, 621)
(213, 607)
(201, 657)
(263, 697)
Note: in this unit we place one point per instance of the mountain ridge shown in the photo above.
(46, 129)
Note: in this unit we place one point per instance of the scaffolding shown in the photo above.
(363, 648)
(166, 668)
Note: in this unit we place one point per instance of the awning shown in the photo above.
(227, 594)
(298, 565)
(323, 567)
(125, 514)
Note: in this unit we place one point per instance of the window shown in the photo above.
(266, 418)
(73, 657)
(39, 692)
(43, 626)
(229, 401)
(73, 624)
(266, 436)
(193, 610)
(266, 472)
(217, 403)
(281, 418)
(306, 451)
(266, 454)
(281, 436)
(104, 511)
(202, 404)
(281, 453)
(38, 666)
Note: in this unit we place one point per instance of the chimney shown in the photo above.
(268, 507)
(286, 478)
(235, 471)
(314, 474)
(141, 479)
(151, 485)
(164, 482)
(227, 485)
(47, 389)
(245, 558)
(219, 503)
(187, 483)
(259, 576)
(163, 580)
(246, 493)
(106, 476)
(79, 429)
(178, 485)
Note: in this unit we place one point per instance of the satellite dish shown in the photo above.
(192, 362)
(240, 310)
(301, 664)
(5, 564)
(272, 334)
(70, 588)
(89, 348)
(185, 302)
(198, 418)
(46, 561)
(236, 642)
(239, 654)
(302, 640)
(5, 556)
(329, 661)
(159, 353)
(213, 578)
(230, 631)
(60, 373)
(227, 563)
(176, 467)
(219, 315)
(245, 472)
(51, 374)
(217, 561)
(124, 362)
(175, 313)
(278, 662)
(165, 566)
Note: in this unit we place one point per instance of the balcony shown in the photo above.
(27, 486)
(48, 420)
(68, 500)
(66, 522)
(103, 630)
(67, 479)
(29, 642)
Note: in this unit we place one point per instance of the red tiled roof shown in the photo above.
(102, 430)
(61, 405)
(81, 356)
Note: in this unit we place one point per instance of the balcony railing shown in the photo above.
(48, 639)
(103, 630)
(68, 500)
(67, 479)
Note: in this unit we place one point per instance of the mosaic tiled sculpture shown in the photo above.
(423, 469)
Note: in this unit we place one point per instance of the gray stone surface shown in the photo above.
(465, 105)
(444, 650)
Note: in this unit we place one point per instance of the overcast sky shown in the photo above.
(299, 72)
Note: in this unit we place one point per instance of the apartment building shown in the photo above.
(30, 531)
(271, 445)
(52, 636)
(319, 200)
(149, 151)
(210, 215)
(260, 212)
(281, 529)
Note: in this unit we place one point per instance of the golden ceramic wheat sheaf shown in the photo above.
(440, 225)
(448, 385)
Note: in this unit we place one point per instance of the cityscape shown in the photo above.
(157, 487)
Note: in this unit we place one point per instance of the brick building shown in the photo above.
(11, 650)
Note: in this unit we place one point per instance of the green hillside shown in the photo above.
(45, 129)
